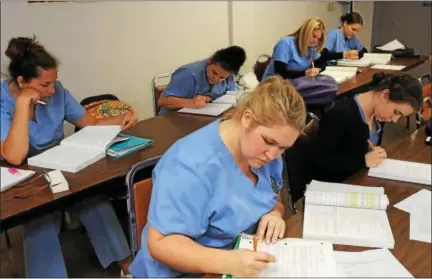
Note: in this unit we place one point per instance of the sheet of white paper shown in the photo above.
(422, 197)
(210, 109)
(371, 263)
(226, 99)
(393, 45)
(420, 223)
(348, 226)
(58, 182)
(9, 179)
(357, 200)
(343, 188)
(403, 171)
(94, 137)
(388, 67)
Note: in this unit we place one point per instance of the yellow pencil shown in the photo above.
(255, 243)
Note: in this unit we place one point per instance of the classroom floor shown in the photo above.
(80, 258)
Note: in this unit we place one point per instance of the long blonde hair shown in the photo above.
(274, 102)
(304, 33)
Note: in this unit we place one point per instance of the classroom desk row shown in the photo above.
(163, 130)
(414, 255)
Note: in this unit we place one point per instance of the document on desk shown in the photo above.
(371, 263)
(393, 45)
(12, 176)
(348, 218)
(388, 67)
(403, 171)
(295, 257)
(420, 223)
(321, 186)
(212, 109)
(421, 198)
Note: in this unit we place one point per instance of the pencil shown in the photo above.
(371, 145)
(40, 102)
(313, 64)
(255, 244)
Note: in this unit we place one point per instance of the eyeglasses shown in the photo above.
(47, 183)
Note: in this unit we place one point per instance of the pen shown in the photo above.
(255, 243)
(371, 145)
(40, 102)
(313, 64)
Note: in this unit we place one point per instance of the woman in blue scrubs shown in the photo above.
(195, 84)
(343, 40)
(350, 132)
(28, 128)
(218, 182)
(301, 53)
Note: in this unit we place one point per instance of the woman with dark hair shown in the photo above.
(350, 132)
(343, 40)
(34, 106)
(195, 84)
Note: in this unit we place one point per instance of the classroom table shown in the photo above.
(414, 255)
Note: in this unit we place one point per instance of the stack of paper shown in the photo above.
(349, 215)
(393, 45)
(340, 74)
(367, 59)
(354, 63)
(77, 151)
(388, 67)
(212, 109)
(11, 177)
(371, 263)
(295, 257)
(403, 171)
(226, 99)
(419, 207)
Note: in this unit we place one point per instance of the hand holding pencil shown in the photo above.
(375, 156)
(312, 71)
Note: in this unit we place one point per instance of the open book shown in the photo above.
(340, 74)
(212, 109)
(354, 215)
(78, 150)
(366, 60)
(403, 171)
(295, 257)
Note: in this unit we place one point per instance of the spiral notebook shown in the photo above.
(295, 257)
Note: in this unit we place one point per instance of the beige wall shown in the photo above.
(117, 47)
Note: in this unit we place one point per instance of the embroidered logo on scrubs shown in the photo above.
(273, 185)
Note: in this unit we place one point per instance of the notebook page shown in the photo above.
(209, 109)
(94, 137)
(371, 263)
(343, 188)
(357, 200)
(403, 171)
(349, 226)
(11, 178)
(420, 223)
(226, 99)
(421, 197)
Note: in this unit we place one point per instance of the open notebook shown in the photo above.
(340, 74)
(78, 150)
(366, 60)
(294, 257)
(11, 177)
(403, 171)
(212, 109)
(347, 214)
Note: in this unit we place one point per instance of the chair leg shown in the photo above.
(10, 253)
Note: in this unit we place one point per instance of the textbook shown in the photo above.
(127, 144)
(353, 215)
(367, 59)
(77, 151)
(340, 74)
(403, 171)
(295, 257)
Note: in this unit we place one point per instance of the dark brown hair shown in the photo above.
(352, 18)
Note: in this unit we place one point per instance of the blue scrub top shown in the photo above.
(286, 51)
(373, 135)
(337, 42)
(190, 80)
(200, 192)
(47, 130)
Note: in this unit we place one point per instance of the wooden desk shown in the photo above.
(361, 81)
(163, 130)
(414, 255)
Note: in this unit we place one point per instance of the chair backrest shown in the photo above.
(260, 65)
(158, 88)
(296, 159)
(138, 202)
(97, 98)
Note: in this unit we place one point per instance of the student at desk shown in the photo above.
(350, 132)
(195, 84)
(218, 182)
(301, 53)
(343, 40)
(29, 127)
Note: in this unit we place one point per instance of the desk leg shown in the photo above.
(9, 247)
